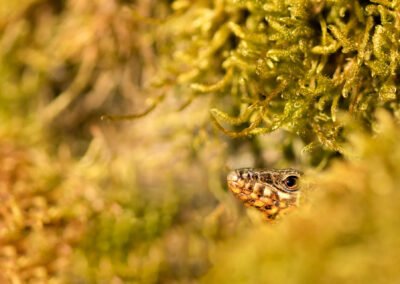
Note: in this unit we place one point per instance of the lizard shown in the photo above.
(273, 192)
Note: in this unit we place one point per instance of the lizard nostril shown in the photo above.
(232, 176)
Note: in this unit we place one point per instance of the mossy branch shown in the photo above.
(156, 102)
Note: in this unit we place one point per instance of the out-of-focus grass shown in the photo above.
(86, 200)
(137, 206)
(144, 201)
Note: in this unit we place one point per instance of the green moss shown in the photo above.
(288, 64)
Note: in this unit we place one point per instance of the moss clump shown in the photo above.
(289, 64)
(42, 218)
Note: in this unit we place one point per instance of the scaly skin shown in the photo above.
(273, 192)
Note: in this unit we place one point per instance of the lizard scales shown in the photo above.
(273, 192)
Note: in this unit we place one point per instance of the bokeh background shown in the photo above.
(208, 86)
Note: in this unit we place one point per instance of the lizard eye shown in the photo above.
(291, 182)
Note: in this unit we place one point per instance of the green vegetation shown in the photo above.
(290, 64)
(307, 84)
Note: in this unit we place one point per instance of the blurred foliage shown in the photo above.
(348, 233)
(145, 201)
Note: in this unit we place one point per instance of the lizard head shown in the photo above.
(273, 192)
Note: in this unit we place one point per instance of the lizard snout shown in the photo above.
(233, 176)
